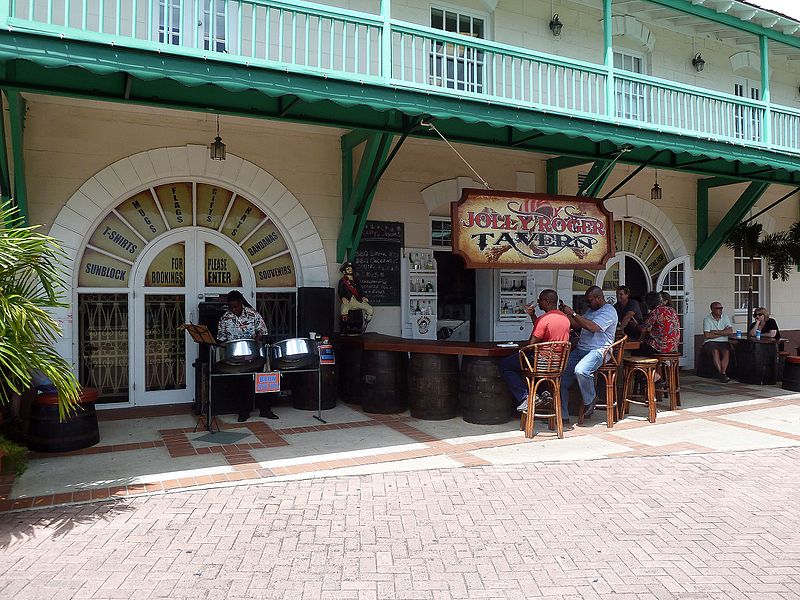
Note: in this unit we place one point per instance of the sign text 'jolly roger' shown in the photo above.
(500, 229)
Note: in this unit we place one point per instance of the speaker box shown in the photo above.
(316, 310)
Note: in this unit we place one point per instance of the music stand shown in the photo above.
(202, 335)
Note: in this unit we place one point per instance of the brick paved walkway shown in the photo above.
(703, 526)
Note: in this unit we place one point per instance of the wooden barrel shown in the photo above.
(433, 386)
(348, 369)
(304, 388)
(791, 374)
(47, 434)
(483, 394)
(756, 362)
(383, 382)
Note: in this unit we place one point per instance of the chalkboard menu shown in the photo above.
(377, 262)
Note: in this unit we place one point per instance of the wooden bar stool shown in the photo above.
(612, 361)
(647, 368)
(540, 363)
(669, 365)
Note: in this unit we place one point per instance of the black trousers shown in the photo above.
(240, 391)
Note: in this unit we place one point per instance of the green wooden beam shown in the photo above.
(708, 248)
(16, 110)
(5, 174)
(595, 179)
(554, 165)
(358, 191)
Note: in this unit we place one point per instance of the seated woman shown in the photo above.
(661, 330)
(765, 324)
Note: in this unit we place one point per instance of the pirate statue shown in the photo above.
(352, 297)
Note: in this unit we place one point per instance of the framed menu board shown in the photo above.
(377, 262)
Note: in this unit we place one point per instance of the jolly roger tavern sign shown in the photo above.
(515, 230)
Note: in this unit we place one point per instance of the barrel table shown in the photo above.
(348, 350)
(430, 380)
(47, 433)
(791, 374)
(756, 360)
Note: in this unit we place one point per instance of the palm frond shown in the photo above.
(31, 283)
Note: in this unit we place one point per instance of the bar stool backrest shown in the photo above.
(544, 359)
(612, 356)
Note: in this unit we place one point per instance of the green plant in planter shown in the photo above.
(30, 285)
(13, 457)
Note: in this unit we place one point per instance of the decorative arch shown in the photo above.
(746, 64)
(633, 29)
(116, 182)
(645, 214)
(109, 187)
(446, 191)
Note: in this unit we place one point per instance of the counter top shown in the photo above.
(388, 343)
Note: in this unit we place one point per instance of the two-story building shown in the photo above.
(682, 116)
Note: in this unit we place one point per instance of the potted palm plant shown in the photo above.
(30, 285)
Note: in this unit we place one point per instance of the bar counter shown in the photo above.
(377, 373)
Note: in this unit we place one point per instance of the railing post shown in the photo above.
(5, 11)
(386, 40)
(766, 127)
(608, 59)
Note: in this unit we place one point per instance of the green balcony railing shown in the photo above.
(310, 38)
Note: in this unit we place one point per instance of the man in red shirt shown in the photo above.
(552, 326)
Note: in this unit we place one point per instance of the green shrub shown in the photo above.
(13, 457)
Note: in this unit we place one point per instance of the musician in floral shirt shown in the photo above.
(240, 322)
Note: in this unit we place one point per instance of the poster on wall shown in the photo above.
(516, 230)
(377, 262)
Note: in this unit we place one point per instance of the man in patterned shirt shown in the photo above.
(241, 322)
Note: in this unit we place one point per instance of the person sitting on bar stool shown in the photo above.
(242, 322)
(552, 326)
(661, 330)
(598, 327)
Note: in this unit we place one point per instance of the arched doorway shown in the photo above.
(146, 265)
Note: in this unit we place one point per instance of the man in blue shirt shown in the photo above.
(598, 327)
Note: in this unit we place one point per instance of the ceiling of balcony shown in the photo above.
(660, 15)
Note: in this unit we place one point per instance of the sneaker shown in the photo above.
(267, 413)
(724, 379)
(243, 418)
(523, 407)
(544, 400)
(588, 409)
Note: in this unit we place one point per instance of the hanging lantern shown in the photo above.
(217, 147)
(556, 25)
(655, 191)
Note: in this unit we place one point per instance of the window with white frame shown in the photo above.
(169, 22)
(630, 94)
(742, 267)
(441, 232)
(747, 119)
(452, 65)
(214, 25)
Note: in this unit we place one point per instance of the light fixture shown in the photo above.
(556, 25)
(217, 147)
(655, 191)
(698, 63)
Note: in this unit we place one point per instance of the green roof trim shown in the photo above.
(53, 66)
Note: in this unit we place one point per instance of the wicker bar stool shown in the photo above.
(612, 361)
(669, 364)
(541, 363)
(646, 367)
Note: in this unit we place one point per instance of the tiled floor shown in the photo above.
(148, 454)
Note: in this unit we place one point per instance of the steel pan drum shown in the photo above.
(241, 352)
(294, 353)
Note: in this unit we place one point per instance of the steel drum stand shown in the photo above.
(318, 371)
(209, 421)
